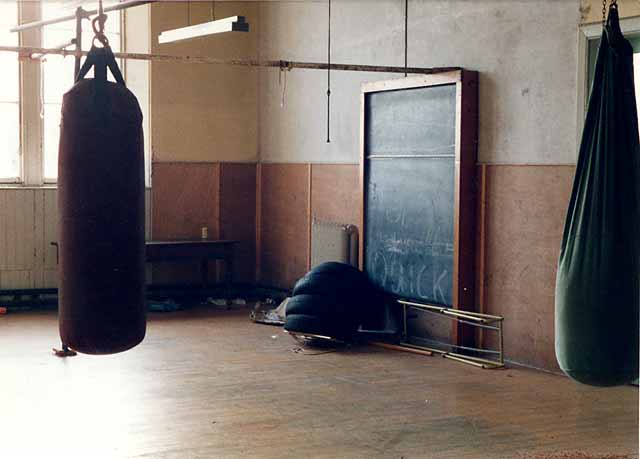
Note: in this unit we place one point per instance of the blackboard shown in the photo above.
(410, 159)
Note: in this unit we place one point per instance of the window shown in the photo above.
(57, 76)
(10, 158)
(31, 90)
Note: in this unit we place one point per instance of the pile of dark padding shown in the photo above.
(330, 300)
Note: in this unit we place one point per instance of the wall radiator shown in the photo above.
(333, 242)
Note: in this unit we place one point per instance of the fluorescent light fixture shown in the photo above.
(231, 24)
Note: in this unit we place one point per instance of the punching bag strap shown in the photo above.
(100, 58)
(113, 66)
(86, 66)
(612, 26)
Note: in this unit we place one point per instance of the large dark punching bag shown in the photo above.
(598, 283)
(101, 212)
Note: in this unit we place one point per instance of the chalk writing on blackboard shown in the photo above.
(409, 191)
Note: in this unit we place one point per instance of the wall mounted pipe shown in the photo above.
(72, 16)
(28, 50)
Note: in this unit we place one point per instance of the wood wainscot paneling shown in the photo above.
(28, 225)
(335, 193)
(284, 223)
(524, 218)
(185, 199)
(238, 215)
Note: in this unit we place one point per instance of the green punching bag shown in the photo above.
(598, 283)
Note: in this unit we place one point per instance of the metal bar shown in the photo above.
(79, 16)
(28, 291)
(59, 46)
(406, 35)
(450, 312)
(370, 68)
(395, 347)
(470, 361)
(312, 335)
(501, 345)
(440, 308)
(475, 361)
(474, 349)
(466, 348)
(423, 306)
(238, 62)
(464, 360)
(404, 316)
(408, 156)
(430, 349)
(488, 327)
(69, 17)
(445, 311)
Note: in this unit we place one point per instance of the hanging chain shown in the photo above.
(329, 78)
(101, 11)
(98, 26)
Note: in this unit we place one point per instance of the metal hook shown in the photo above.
(98, 29)
(98, 26)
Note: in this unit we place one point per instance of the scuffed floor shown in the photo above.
(211, 384)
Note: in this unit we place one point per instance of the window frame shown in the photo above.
(49, 181)
(19, 179)
(587, 33)
(31, 168)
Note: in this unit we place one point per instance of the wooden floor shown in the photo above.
(207, 384)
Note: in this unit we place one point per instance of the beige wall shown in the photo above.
(591, 10)
(525, 51)
(204, 113)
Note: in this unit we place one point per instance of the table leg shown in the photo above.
(228, 275)
(204, 272)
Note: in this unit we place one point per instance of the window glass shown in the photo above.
(57, 73)
(9, 96)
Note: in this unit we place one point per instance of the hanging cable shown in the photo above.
(213, 10)
(283, 76)
(329, 77)
(406, 37)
